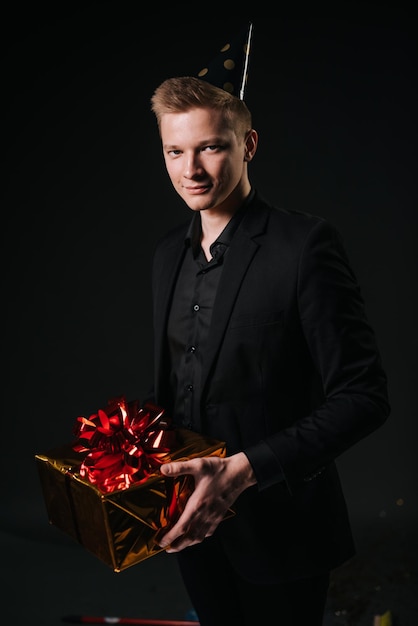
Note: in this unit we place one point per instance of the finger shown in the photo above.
(183, 542)
(166, 469)
(175, 468)
(180, 535)
(170, 469)
(172, 535)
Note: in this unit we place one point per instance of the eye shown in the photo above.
(173, 153)
(212, 148)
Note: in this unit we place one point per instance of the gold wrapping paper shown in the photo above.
(121, 527)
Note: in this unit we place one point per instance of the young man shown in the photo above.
(261, 340)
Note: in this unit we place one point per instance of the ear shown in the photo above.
(251, 142)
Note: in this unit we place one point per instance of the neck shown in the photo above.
(214, 221)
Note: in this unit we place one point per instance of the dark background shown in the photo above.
(85, 197)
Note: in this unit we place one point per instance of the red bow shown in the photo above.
(125, 443)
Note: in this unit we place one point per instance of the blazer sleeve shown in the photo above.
(344, 352)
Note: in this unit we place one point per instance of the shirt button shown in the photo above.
(192, 349)
(189, 387)
(196, 307)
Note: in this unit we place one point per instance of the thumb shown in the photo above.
(168, 469)
(175, 468)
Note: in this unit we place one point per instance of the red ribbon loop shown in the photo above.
(125, 443)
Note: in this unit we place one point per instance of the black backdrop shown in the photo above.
(85, 196)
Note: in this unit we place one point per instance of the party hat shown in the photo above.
(229, 69)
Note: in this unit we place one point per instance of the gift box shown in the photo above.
(105, 489)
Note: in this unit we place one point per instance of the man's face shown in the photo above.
(204, 159)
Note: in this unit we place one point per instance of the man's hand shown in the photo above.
(217, 484)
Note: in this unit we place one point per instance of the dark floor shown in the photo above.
(47, 576)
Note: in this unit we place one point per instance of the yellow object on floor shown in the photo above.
(383, 620)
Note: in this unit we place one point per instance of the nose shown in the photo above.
(192, 165)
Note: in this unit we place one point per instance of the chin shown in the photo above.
(199, 205)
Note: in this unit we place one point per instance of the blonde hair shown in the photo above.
(180, 94)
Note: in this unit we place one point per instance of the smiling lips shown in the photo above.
(196, 190)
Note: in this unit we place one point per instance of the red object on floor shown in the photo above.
(87, 619)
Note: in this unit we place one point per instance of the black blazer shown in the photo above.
(292, 376)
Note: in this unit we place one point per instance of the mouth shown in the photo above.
(197, 189)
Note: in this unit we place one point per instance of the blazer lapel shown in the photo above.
(240, 255)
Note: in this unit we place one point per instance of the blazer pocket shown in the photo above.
(260, 319)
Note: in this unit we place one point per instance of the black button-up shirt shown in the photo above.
(190, 317)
